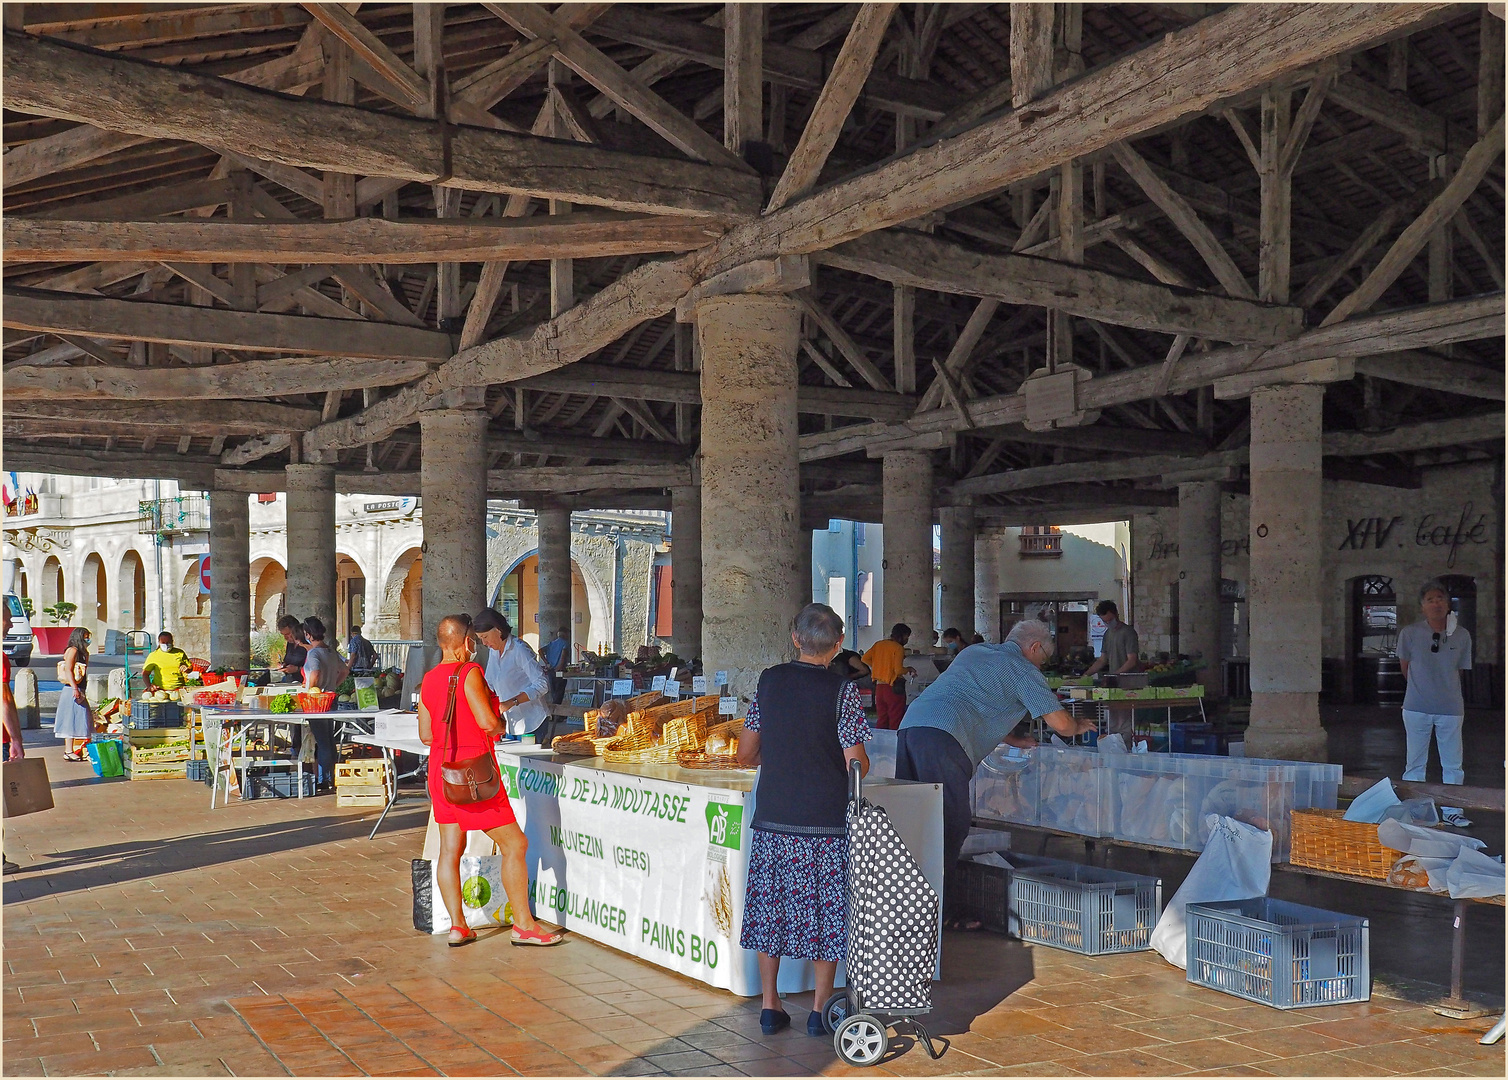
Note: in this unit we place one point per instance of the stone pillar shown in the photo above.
(230, 578)
(554, 572)
(907, 523)
(24, 689)
(805, 591)
(686, 570)
(1199, 578)
(453, 486)
(957, 567)
(311, 544)
(750, 482)
(987, 585)
(1284, 588)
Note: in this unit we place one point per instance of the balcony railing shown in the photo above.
(1041, 542)
(183, 513)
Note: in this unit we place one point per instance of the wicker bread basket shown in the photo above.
(1324, 840)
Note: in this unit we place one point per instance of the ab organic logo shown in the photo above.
(724, 825)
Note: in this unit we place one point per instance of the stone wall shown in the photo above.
(1453, 524)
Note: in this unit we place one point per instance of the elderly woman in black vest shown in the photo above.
(804, 726)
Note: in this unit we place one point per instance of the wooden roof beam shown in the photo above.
(137, 320)
(357, 240)
(251, 379)
(48, 78)
(925, 262)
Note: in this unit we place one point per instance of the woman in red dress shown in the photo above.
(476, 730)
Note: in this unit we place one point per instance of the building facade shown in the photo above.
(131, 554)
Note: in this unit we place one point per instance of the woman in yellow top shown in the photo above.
(165, 665)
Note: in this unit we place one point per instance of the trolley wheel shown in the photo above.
(834, 1012)
(861, 1040)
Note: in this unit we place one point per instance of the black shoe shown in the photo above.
(814, 1024)
(771, 1020)
(11, 867)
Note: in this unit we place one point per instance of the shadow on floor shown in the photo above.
(87, 868)
(1368, 741)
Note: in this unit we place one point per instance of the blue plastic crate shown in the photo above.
(197, 769)
(262, 784)
(1278, 953)
(1191, 737)
(1084, 909)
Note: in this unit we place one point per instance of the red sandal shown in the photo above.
(538, 937)
(467, 940)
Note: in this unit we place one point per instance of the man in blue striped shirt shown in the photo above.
(968, 711)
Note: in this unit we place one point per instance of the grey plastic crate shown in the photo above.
(1084, 909)
(1277, 953)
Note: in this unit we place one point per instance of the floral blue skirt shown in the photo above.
(796, 903)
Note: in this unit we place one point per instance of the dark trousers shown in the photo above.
(324, 749)
(933, 756)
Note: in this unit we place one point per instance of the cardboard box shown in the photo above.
(27, 788)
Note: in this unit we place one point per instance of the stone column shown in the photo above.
(1199, 578)
(804, 593)
(686, 570)
(311, 544)
(750, 482)
(987, 585)
(957, 567)
(230, 579)
(1284, 588)
(453, 486)
(907, 521)
(554, 572)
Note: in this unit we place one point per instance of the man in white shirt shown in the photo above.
(513, 672)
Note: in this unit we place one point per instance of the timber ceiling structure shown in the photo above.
(239, 234)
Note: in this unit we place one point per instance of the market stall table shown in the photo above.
(237, 725)
(653, 859)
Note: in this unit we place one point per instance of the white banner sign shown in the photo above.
(653, 868)
(672, 688)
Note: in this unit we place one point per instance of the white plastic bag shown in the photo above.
(1370, 804)
(1431, 843)
(1236, 864)
(1474, 874)
(1112, 744)
(482, 897)
(992, 858)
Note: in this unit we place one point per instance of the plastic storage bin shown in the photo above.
(1192, 738)
(263, 784)
(1084, 909)
(146, 714)
(1074, 790)
(1285, 955)
(1004, 788)
(197, 770)
(985, 893)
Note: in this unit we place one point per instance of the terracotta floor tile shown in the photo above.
(93, 1062)
(1102, 1040)
(1211, 1054)
(1288, 1041)
(1341, 1064)
(1178, 1029)
(1013, 1022)
(1232, 1070)
(1403, 1057)
(1368, 1031)
(1125, 1063)
(92, 1020)
(118, 1038)
(1073, 993)
(1036, 1068)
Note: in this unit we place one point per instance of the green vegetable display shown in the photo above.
(281, 704)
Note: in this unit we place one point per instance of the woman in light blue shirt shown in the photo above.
(513, 672)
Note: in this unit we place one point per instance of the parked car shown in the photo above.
(18, 643)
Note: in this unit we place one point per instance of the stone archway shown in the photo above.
(53, 589)
(588, 600)
(94, 597)
(269, 581)
(131, 592)
(401, 617)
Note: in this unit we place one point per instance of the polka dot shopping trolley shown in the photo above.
(892, 939)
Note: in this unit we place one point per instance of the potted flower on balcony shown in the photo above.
(54, 639)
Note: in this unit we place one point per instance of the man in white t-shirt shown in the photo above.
(1433, 653)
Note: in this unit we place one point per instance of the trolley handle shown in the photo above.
(856, 781)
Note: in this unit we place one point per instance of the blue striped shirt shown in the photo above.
(986, 691)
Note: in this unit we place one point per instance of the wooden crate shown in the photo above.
(361, 771)
(166, 770)
(361, 789)
(344, 798)
(158, 736)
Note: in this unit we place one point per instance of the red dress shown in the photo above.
(470, 741)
